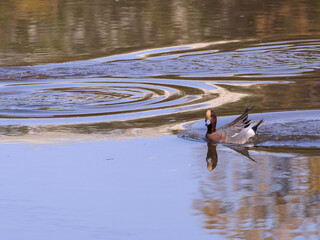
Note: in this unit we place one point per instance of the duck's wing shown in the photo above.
(240, 122)
(239, 130)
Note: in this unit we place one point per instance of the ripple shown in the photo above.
(92, 100)
(235, 58)
(176, 82)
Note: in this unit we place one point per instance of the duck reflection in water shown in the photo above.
(212, 154)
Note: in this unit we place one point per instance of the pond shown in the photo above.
(102, 119)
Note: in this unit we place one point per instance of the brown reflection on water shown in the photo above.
(59, 30)
(294, 95)
(299, 95)
(295, 17)
(276, 198)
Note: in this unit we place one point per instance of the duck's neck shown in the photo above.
(211, 128)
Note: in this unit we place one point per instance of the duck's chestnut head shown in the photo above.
(211, 118)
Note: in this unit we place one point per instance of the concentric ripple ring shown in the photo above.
(99, 99)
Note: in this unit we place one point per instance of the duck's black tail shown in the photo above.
(255, 127)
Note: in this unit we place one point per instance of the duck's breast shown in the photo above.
(216, 137)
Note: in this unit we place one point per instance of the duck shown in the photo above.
(239, 131)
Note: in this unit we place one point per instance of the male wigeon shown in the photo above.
(238, 131)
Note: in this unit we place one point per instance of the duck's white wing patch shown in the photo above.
(251, 133)
(234, 135)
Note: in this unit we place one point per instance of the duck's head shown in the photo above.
(211, 120)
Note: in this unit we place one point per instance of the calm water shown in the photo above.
(101, 119)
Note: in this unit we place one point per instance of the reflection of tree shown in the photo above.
(272, 97)
(277, 198)
(72, 29)
(28, 9)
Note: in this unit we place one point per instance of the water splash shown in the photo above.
(292, 129)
